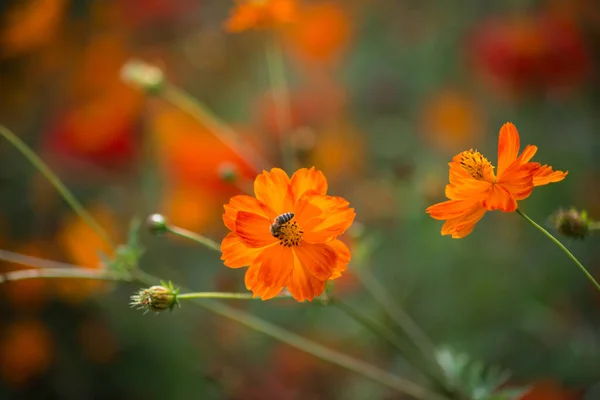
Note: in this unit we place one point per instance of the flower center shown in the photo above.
(474, 163)
(286, 230)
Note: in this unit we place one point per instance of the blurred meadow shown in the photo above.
(381, 94)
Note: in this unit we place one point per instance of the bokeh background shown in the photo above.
(383, 94)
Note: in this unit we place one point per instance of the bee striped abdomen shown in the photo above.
(279, 221)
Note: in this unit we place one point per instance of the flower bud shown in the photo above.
(143, 76)
(228, 172)
(571, 223)
(156, 299)
(157, 224)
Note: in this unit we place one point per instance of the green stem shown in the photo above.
(279, 88)
(203, 240)
(56, 182)
(204, 300)
(406, 324)
(222, 295)
(308, 346)
(217, 126)
(562, 247)
(61, 273)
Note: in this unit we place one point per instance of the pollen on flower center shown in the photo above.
(289, 234)
(474, 163)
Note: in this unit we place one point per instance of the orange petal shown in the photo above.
(242, 203)
(318, 259)
(235, 253)
(276, 266)
(528, 153)
(273, 189)
(508, 146)
(545, 175)
(461, 226)
(253, 229)
(333, 225)
(466, 188)
(518, 179)
(343, 257)
(304, 285)
(256, 286)
(322, 218)
(308, 179)
(451, 208)
(498, 198)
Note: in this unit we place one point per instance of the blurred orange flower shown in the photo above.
(322, 30)
(287, 234)
(474, 189)
(450, 119)
(257, 14)
(26, 350)
(83, 246)
(191, 157)
(30, 24)
(534, 52)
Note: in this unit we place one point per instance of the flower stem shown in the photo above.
(308, 346)
(281, 97)
(222, 295)
(203, 240)
(61, 273)
(56, 182)
(562, 247)
(217, 127)
(204, 300)
(406, 324)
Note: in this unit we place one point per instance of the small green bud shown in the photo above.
(156, 299)
(228, 172)
(571, 223)
(143, 76)
(157, 224)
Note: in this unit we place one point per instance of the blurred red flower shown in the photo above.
(550, 390)
(533, 52)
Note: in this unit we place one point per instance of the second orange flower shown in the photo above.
(287, 234)
(474, 189)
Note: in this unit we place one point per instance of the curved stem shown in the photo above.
(203, 240)
(406, 324)
(562, 247)
(217, 127)
(56, 182)
(202, 300)
(308, 346)
(281, 97)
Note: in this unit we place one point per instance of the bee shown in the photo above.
(279, 222)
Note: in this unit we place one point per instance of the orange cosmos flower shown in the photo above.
(249, 14)
(300, 253)
(475, 189)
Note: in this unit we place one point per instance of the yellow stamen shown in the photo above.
(290, 234)
(474, 163)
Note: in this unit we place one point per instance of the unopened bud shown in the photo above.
(228, 172)
(144, 76)
(157, 298)
(157, 224)
(571, 223)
